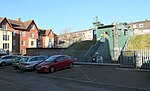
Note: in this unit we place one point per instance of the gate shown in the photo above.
(128, 58)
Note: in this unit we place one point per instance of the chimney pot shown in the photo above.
(19, 19)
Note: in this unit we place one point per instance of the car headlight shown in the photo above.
(44, 66)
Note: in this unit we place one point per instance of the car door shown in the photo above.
(59, 62)
(66, 61)
(4, 59)
(32, 61)
(8, 59)
(39, 60)
(12, 58)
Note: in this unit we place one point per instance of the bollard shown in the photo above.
(138, 59)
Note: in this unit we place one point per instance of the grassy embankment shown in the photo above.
(139, 42)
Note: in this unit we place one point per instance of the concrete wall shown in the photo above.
(44, 51)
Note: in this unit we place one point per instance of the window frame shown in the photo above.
(23, 43)
(4, 27)
(5, 45)
(32, 27)
(32, 42)
(23, 34)
(32, 35)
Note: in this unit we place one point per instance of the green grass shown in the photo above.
(139, 42)
(84, 45)
(79, 48)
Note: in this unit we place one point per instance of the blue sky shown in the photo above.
(75, 15)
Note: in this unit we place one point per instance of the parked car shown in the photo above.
(17, 60)
(7, 59)
(31, 62)
(55, 62)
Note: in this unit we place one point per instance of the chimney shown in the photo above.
(19, 19)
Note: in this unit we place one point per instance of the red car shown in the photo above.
(55, 62)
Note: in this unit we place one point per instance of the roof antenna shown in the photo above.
(96, 18)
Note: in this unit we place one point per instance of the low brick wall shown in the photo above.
(44, 51)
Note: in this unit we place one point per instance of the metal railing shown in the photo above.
(128, 58)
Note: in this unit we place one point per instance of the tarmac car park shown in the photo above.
(80, 77)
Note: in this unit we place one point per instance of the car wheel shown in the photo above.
(52, 69)
(16, 67)
(3, 63)
(70, 65)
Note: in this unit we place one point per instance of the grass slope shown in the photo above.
(139, 42)
(84, 45)
(79, 48)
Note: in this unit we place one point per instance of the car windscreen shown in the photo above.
(24, 59)
(51, 58)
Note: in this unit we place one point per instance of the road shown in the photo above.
(79, 78)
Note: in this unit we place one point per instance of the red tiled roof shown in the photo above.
(48, 31)
(18, 24)
(45, 32)
(27, 23)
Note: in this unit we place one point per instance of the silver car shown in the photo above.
(8, 59)
(28, 63)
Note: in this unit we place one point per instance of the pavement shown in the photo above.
(109, 75)
(80, 77)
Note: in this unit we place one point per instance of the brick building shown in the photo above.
(140, 27)
(24, 34)
(47, 38)
(72, 37)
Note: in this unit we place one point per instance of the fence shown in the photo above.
(128, 58)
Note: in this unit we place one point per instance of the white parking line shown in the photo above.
(84, 74)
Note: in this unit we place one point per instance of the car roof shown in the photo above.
(7, 56)
(40, 56)
(59, 55)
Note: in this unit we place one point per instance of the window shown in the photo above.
(40, 37)
(134, 25)
(14, 33)
(4, 27)
(5, 45)
(66, 57)
(32, 27)
(33, 59)
(119, 32)
(61, 58)
(39, 58)
(125, 31)
(94, 32)
(14, 42)
(6, 37)
(23, 43)
(112, 32)
(50, 40)
(32, 35)
(141, 25)
(23, 34)
(32, 43)
(83, 34)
